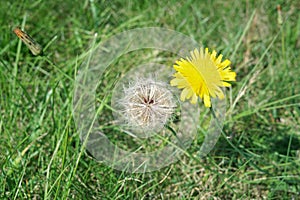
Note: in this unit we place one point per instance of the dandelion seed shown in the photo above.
(203, 75)
(147, 105)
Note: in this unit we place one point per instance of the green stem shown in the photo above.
(232, 145)
(57, 68)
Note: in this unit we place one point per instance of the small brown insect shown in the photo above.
(35, 48)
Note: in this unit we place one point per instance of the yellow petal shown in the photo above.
(203, 74)
(206, 100)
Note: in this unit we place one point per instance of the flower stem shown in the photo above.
(224, 134)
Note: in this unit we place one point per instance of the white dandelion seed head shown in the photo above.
(146, 105)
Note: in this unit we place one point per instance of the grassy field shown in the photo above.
(41, 155)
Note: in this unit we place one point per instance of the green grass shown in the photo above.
(41, 155)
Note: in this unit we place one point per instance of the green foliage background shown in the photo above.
(40, 150)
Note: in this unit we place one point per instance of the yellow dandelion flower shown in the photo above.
(203, 75)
